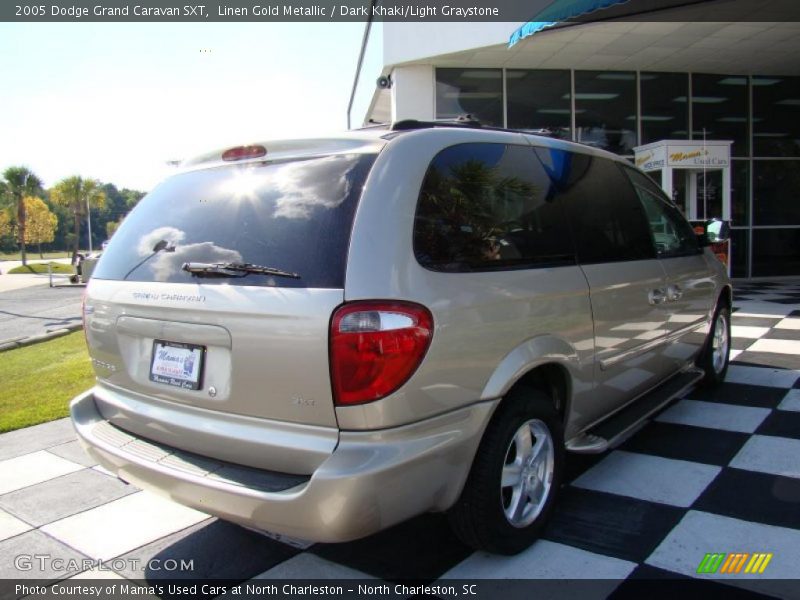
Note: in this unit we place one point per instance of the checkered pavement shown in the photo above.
(718, 471)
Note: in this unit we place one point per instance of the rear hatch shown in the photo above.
(176, 313)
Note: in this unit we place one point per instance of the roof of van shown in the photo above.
(370, 139)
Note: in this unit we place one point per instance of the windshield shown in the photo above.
(294, 216)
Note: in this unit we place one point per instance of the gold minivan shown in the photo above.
(322, 338)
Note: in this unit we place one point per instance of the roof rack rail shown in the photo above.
(462, 121)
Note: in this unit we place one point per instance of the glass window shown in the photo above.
(739, 254)
(292, 215)
(608, 222)
(539, 100)
(662, 117)
(605, 110)
(719, 109)
(776, 116)
(709, 194)
(740, 192)
(776, 252)
(489, 206)
(477, 92)
(776, 192)
(672, 234)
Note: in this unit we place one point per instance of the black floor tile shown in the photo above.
(684, 442)
(218, 550)
(783, 334)
(756, 321)
(794, 300)
(741, 343)
(768, 359)
(659, 584)
(423, 549)
(752, 496)
(740, 394)
(794, 313)
(577, 464)
(781, 423)
(608, 524)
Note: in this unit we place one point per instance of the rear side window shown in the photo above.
(487, 206)
(291, 215)
(672, 234)
(608, 222)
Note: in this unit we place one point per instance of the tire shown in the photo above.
(715, 356)
(484, 517)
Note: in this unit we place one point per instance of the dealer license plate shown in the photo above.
(177, 364)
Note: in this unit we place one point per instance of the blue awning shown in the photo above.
(557, 12)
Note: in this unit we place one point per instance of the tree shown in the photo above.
(41, 223)
(19, 183)
(77, 194)
(112, 226)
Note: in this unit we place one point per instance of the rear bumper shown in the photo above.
(371, 481)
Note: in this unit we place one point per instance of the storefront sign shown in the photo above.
(698, 157)
(683, 155)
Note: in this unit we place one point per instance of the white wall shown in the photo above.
(404, 42)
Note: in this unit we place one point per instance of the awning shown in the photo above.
(557, 12)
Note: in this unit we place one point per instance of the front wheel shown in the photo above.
(716, 353)
(515, 477)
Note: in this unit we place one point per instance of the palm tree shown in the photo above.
(78, 195)
(19, 183)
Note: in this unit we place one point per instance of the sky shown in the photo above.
(116, 102)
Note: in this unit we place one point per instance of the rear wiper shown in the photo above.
(199, 269)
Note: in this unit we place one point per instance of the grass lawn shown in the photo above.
(42, 268)
(40, 380)
(35, 255)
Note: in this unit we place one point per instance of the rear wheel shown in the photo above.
(716, 352)
(515, 477)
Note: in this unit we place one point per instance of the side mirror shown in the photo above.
(714, 231)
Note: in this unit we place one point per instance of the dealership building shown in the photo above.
(710, 109)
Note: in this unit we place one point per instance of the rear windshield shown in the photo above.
(293, 215)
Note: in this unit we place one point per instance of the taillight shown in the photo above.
(375, 347)
(242, 152)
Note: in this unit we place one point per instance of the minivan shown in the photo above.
(325, 337)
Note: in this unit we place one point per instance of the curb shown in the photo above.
(14, 343)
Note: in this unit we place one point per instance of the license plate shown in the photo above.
(177, 364)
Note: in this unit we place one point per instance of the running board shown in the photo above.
(623, 423)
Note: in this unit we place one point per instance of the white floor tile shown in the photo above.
(735, 353)
(777, 346)
(543, 560)
(699, 533)
(11, 526)
(791, 401)
(769, 454)
(745, 331)
(29, 469)
(310, 566)
(769, 315)
(789, 323)
(715, 415)
(664, 480)
(782, 378)
(122, 525)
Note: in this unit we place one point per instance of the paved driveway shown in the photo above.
(716, 472)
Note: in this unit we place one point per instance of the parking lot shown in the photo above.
(716, 472)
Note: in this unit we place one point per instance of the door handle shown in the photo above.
(656, 296)
(674, 292)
